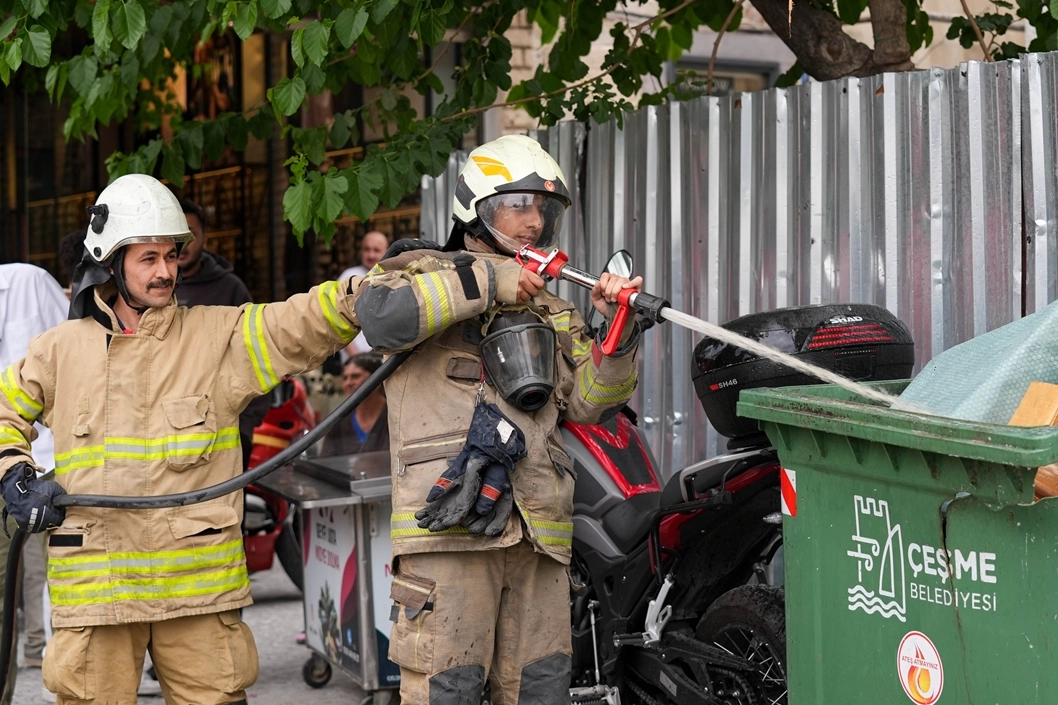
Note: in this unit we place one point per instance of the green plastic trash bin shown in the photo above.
(917, 566)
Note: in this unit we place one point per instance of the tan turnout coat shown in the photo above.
(436, 301)
(152, 413)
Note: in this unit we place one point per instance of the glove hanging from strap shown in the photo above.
(477, 480)
(29, 500)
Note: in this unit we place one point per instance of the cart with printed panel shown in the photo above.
(344, 511)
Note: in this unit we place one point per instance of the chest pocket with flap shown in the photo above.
(192, 430)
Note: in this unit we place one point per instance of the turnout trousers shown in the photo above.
(207, 659)
(462, 618)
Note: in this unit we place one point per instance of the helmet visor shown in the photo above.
(519, 219)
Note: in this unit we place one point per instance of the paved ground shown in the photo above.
(276, 618)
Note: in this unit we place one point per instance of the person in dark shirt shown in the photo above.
(207, 279)
(367, 428)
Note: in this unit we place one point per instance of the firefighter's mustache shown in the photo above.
(160, 284)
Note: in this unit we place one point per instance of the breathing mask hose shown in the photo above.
(7, 635)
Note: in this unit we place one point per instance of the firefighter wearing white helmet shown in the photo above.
(482, 526)
(143, 397)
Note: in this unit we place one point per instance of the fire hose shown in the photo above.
(7, 636)
(549, 265)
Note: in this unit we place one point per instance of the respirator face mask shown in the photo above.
(519, 359)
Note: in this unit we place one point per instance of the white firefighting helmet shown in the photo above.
(510, 175)
(135, 208)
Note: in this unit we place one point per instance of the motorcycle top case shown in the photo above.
(863, 342)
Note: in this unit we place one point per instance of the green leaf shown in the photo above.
(238, 132)
(246, 19)
(361, 199)
(275, 8)
(13, 54)
(150, 155)
(288, 95)
(791, 77)
(432, 28)
(129, 22)
(213, 139)
(172, 166)
(7, 26)
(340, 132)
(5, 76)
(381, 10)
(130, 71)
(314, 43)
(82, 73)
(50, 80)
(101, 27)
(37, 51)
(350, 25)
(314, 78)
(191, 139)
(311, 142)
(261, 125)
(36, 8)
(332, 201)
(297, 51)
(297, 206)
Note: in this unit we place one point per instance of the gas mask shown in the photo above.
(519, 358)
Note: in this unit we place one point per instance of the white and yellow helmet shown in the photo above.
(135, 208)
(504, 171)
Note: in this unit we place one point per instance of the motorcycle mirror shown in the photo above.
(620, 263)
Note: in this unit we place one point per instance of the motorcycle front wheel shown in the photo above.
(750, 622)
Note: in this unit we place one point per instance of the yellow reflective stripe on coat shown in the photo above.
(257, 347)
(596, 393)
(553, 533)
(405, 525)
(114, 448)
(438, 315)
(560, 322)
(130, 563)
(10, 435)
(24, 404)
(328, 295)
(214, 582)
(581, 347)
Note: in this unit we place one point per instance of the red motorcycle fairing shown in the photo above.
(624, 457)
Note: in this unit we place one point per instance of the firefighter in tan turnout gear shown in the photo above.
(144, 397)
(482, 487)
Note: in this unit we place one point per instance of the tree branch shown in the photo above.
(819, 41)
(638, 29)
(716, 45)
(976, 29)
(888, 23)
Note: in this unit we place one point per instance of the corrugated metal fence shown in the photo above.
(934, 194)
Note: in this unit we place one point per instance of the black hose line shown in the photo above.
(9, 634)
(237, 483)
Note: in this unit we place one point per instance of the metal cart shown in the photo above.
(345, 511)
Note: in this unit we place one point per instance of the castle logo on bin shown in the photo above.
(919, 668)
(879, 555)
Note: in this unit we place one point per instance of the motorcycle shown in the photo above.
(271, 524)
(678, 586)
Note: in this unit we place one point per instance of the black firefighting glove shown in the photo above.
(29, 501)
(492, 440)
(495, 501)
